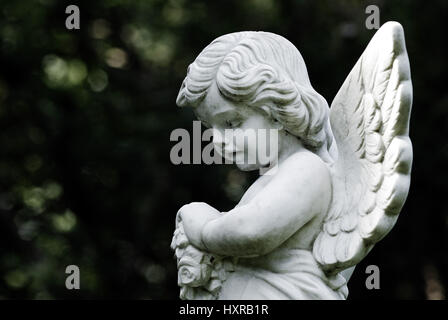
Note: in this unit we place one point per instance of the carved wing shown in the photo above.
(370, 120)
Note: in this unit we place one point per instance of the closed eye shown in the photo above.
(232, 123)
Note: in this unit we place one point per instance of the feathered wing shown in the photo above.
(370, 120)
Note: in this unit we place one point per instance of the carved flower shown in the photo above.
(213, 286)
(179, 238)
(192, 272)
(200, 275)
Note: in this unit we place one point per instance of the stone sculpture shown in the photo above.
(342, 173)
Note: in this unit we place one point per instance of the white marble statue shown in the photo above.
(342, 173)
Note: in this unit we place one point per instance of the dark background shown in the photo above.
(85, 121)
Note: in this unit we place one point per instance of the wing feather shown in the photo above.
(370, 121)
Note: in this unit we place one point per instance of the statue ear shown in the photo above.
(278, 124)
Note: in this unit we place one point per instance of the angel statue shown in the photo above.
(342, 173)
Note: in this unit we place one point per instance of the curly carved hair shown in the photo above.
(262, 69)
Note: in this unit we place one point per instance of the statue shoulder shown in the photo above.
(307, 164)
(305, 170)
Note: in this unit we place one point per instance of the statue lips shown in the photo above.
(229, 153)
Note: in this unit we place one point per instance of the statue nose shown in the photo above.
(221, 142)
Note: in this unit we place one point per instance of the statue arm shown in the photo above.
(288, 202)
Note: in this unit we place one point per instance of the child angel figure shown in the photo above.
(342, 174)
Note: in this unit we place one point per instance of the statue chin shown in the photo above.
(244, 166)
(248, 167)
(243, 163)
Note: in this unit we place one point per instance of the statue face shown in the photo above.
(238, 131)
